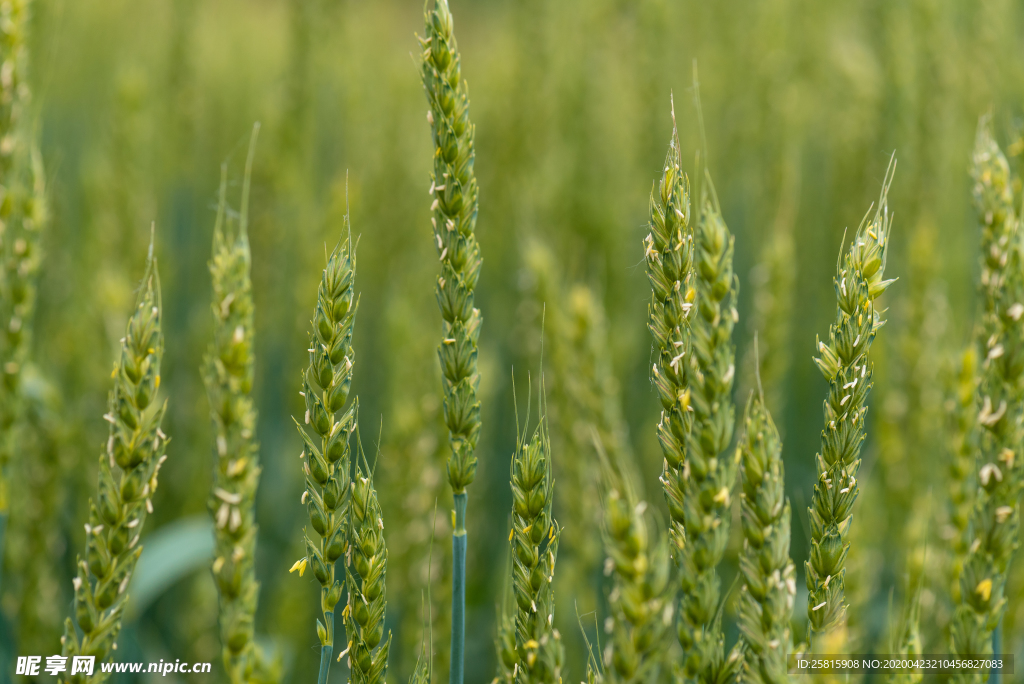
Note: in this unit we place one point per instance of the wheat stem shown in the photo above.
(844, 363)
(995, 519)
(134, 452)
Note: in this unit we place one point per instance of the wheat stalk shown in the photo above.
(534, 548)
(127, 481)
(365, 576)
(995, 520)
(228, 374)
(327, 465)
(453, 186)
(844, 363)
(769, 586)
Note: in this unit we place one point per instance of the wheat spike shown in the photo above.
(228, 370)
(129, 466)
(454, 207)
(326, 431)
(995, 519)
(365, 575)
(769, 586)
(534, 549)
(844, 363)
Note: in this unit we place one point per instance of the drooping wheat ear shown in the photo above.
(769, 584)
(962, 485)
(995, 520)
(453, 186)
(228, 374)
(844, 363)
(365, 576)
(641, 601)
(127, 481)
(326, 452)
(710, 474)
(534, 548)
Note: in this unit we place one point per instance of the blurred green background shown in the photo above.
(140, 101)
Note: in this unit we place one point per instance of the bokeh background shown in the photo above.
(140, 101)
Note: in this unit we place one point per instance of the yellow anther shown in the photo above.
(299, 565)
(722, 496)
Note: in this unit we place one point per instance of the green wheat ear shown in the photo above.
(844, 363)
(326, 431)
(710, 366)
(963, 433)
(453, 186)
(127, 481)
(668, 250)
(769, 585)
(533, 543)
(365, 576)
(905, 640)
(641, 600)
(995, 520)
(228, 370)
(23, 215)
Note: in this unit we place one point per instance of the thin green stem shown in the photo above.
(459, 540)
(326, 651)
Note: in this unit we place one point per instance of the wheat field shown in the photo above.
(571, 220)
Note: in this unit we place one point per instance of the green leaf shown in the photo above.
(169, 554)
